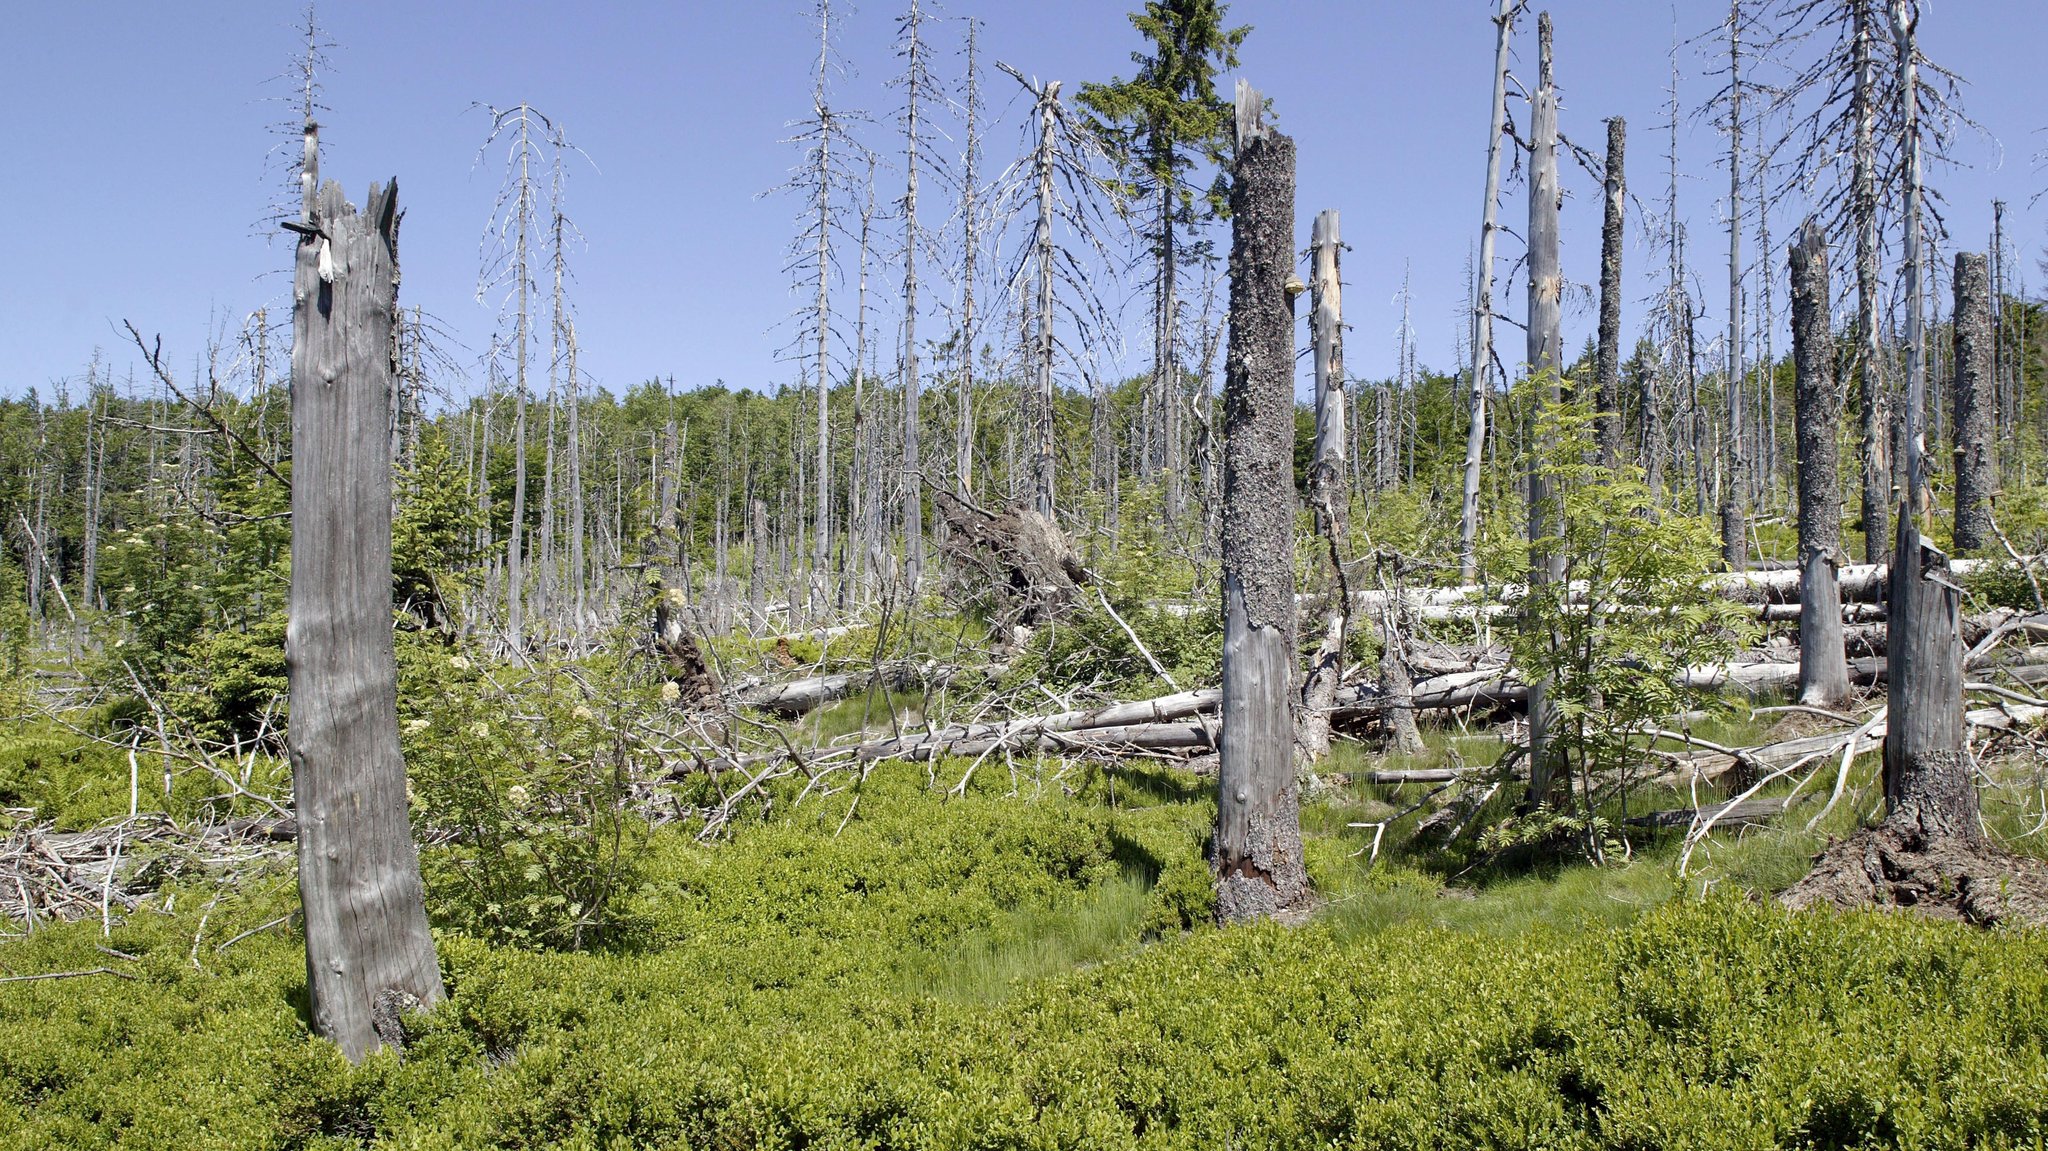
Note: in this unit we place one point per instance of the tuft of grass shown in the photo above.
(867, 710)
(988, 965)
(1572, 898)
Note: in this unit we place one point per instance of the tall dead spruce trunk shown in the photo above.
(369, 956)
(1257, 850)
(1817, 414)
(1976, 471)
(1545, 352)
(1482, 308)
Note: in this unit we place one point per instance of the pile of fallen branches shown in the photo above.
(107, 871)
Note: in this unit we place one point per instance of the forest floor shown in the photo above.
(1029, 963)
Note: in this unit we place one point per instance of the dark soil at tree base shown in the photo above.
(1896, 865)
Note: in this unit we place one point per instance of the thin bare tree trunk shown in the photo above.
(1326, 487)
(515, 555)
(1482, 307)
(1042, 432)
(821, 544)
(1608, 353)
(1975, 400)
(1876, 466)
(1734, 493)
(913, 489)
(369, 955)
(970, 223)
(1817, 414)
(1904, 20)
(578, 588)
(1257, 851)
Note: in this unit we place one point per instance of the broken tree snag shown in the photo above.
(1930, 852)
(1326, 490)
(1817, 414)
(367, 944)
(1257, 851)
(1928, 783)
(1020, 551)
(1976, 473)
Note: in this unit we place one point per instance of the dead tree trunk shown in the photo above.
(1608, 354)
(1257, 851)
(1326, 488)
(1817, 414)
(1042, 337)
(369, 956)
(1876, 470)
(1545, 357)
(1975, 384)
(1735, 493)
(1927, 778)
(1904, 20)
(1482, 308)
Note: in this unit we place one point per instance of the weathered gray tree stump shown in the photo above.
(369, 956)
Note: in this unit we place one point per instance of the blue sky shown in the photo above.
(137, 137)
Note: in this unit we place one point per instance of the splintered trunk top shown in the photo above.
(1929, 786)
(1257, 850)
(369, 956)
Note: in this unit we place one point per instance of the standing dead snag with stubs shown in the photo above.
(1257, 850)
(1607, 358)
(369, 957)
(1817, 417)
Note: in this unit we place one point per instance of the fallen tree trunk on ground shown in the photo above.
(798, 696)
(1748, 813)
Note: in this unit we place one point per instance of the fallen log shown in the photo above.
(1860, 583)
(1749, 812)
(1419, 775)
(798, 696)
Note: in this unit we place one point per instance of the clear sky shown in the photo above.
(137, 135)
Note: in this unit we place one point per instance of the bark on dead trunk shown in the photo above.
(1545, 359)
(1608, 353)
(1257, 852)
(1928, 784)
(1326, 488)
(1876, 470)
(1817, 414)
(369, 956)
(1976, 469)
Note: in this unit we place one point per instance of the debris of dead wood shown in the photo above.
(106, 871)
(683, 661)
(798, 696)
(1023, 555)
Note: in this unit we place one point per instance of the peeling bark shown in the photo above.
(1257, 853)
